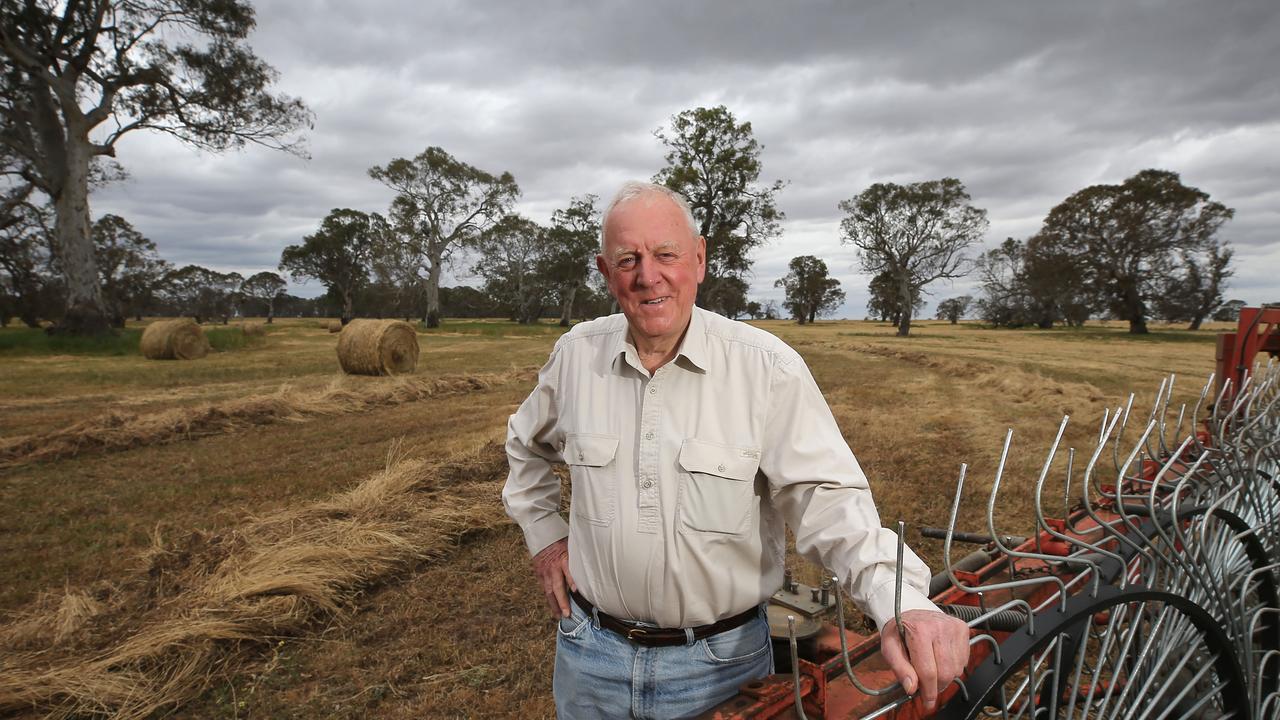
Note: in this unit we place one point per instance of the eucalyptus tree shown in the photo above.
(266, 287)
(572, 242)
(1131, 239)
(810, 290)
(79, 75)
(916, 233)
(714, 161)
(442, 206)
(337, 254)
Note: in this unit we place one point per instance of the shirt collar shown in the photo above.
(693, 347)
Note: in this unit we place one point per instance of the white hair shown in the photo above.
(634, 189)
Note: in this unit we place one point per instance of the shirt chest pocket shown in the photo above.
(717, 486)
(594, 474)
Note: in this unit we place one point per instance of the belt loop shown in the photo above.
(688, 636)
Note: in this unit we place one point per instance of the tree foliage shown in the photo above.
(202, 293)
(1032, 283)
(1130, 239)
(81, 74)
(26, 285)
(512, 254)
(952, 309)
(129, 267)
(885, 303)
(1229, 311)
(916, 233)
(810, 291)
(442, 205)
(264, 287)
(572, 242)
(337, 254)
(714, 161)
(1192, 292)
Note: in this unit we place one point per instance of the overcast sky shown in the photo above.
(1025, 102)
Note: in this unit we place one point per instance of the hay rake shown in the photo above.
(1152, 595)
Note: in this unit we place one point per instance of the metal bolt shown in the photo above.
(813, 594)
(786, 581)
(826, 590)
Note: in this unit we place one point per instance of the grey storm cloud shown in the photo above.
(1026, 102)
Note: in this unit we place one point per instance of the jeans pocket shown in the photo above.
(741, 644)
(571, 627)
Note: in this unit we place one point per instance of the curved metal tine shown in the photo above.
(999, 543)
(1153, 417)
(795, 667)
(946, 556)
(1044, 525)
(1088, 506)
(1260, 677)
(844, 653)
(1182, 415)
(897, 586)
(1195, 409)
(1164, 413)
(1124, 422)
(1179, 545)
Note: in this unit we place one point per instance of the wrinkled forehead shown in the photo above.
(650, 222)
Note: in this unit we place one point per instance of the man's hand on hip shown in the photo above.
(936, 653)
(551, 565)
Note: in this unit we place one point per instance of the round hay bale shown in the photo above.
(253, 329)
(335, 326)
(180, 339)
(378, 347)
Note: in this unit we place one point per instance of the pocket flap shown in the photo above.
(727, 461)
(590, 450)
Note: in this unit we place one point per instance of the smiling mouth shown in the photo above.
(655, 301)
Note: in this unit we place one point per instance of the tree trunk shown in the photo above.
(566, 309)
(271, 311)
(433, 292)
(1195, 322)
(813, 315)
(1138, 325)
(85, 312)
(348, 306)
(904, 324)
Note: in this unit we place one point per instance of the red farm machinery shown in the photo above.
(1147, 589)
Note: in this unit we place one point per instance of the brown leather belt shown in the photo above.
(662, 637)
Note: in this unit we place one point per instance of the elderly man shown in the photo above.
(690, 440)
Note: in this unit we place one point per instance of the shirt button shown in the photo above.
(653, 391)
(720, 468)
(581, 457)
(646, 484)
(648, 436)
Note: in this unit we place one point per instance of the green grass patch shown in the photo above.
(24, 341)
(34, 341)
(495, 328)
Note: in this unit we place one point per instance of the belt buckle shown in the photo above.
(636, 632)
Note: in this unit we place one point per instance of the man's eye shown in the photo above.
(666, 256)
(627, 263)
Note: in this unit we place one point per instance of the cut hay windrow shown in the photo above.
(200, 608)
(1014, 384)
(117, 430)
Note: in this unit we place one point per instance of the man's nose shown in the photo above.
(647, 273)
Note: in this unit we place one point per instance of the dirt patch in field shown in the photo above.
(124, 430)
(204, 605)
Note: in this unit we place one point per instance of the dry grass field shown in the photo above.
(254, 534)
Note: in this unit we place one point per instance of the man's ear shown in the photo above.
(701, 253)
(602, 266)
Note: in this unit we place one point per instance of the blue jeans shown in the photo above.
(600, 674)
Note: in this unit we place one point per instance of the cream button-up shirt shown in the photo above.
(682, 479)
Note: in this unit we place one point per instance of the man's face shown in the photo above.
(653, 265)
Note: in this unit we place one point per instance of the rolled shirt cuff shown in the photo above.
(880, 607)
(551, 528)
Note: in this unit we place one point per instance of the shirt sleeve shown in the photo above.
(532, 492)
(821, 491)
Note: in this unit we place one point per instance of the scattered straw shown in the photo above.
(206, 604)
(118, 430)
